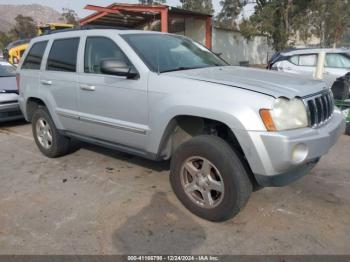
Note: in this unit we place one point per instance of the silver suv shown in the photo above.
(160, 96)
(303, 62)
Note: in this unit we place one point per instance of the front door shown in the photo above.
(112, 108)
(336, 65)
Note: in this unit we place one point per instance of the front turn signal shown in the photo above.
(267, 120)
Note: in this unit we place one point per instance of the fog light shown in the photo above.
(299, 153)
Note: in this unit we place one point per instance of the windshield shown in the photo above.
(166, 53)
(7, 70)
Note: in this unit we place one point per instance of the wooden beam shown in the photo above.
(140, 8)
(91, 18)
(164, 20)
(208, 32)
(102, 9)
(120, 18)
(131, 8)
(117, 8)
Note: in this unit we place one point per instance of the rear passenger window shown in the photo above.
(34, 57)
(99, 48)
(63, 55)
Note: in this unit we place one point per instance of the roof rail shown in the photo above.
(84, 27)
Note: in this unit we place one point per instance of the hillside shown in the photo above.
(40, 14)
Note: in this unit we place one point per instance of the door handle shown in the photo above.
(46, 82)
(87, 88)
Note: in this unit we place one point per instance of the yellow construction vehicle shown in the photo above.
(14, 51)
(47, 28)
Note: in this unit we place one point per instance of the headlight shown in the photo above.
(285, 114)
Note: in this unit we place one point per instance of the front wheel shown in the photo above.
(209, 178)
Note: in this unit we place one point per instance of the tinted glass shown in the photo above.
(307, 60)
(7, 70)
(337, 60)
(98, 49)
(164, 53)
(63, 55)
(35, 56)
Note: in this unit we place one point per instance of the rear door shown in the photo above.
(30, 70)
(112, 108)
(59, 81)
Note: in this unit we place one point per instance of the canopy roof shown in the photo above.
(135, 15)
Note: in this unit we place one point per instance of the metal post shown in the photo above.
(320, 65)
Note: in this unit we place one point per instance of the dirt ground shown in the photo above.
(98, 201)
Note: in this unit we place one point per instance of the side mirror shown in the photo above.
(117, 67)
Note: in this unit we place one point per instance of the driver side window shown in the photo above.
(99, 48)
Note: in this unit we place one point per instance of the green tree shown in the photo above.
(230, 10)
(5, 39)
(284, 20)
(70, 16)
(25, 27)
(330, 20)
(201, 6)
(280, 20)
(152, 2)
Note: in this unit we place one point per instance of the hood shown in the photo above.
(8, 84)
(271, 83)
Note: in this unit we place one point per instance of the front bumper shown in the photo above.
(278, 158)
(9, 110)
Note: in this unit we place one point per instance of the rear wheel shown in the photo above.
(48, 139)
(209, 178)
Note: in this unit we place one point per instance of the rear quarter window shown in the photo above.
(35, 56)
(294, 59)
(63, 55)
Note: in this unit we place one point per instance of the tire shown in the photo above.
(226, 169)
(59, 146)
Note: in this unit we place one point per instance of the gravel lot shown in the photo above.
(98, 201)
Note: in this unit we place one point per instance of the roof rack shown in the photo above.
(84, 27)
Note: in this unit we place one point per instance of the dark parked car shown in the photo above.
(9, 108)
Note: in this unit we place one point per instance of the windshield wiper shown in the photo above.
(181, 68)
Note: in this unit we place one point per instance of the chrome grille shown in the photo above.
(320, 108)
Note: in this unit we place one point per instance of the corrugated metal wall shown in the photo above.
(235, 48)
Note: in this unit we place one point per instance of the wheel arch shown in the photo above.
(183, 127)
(32, 104)
(180, 128)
